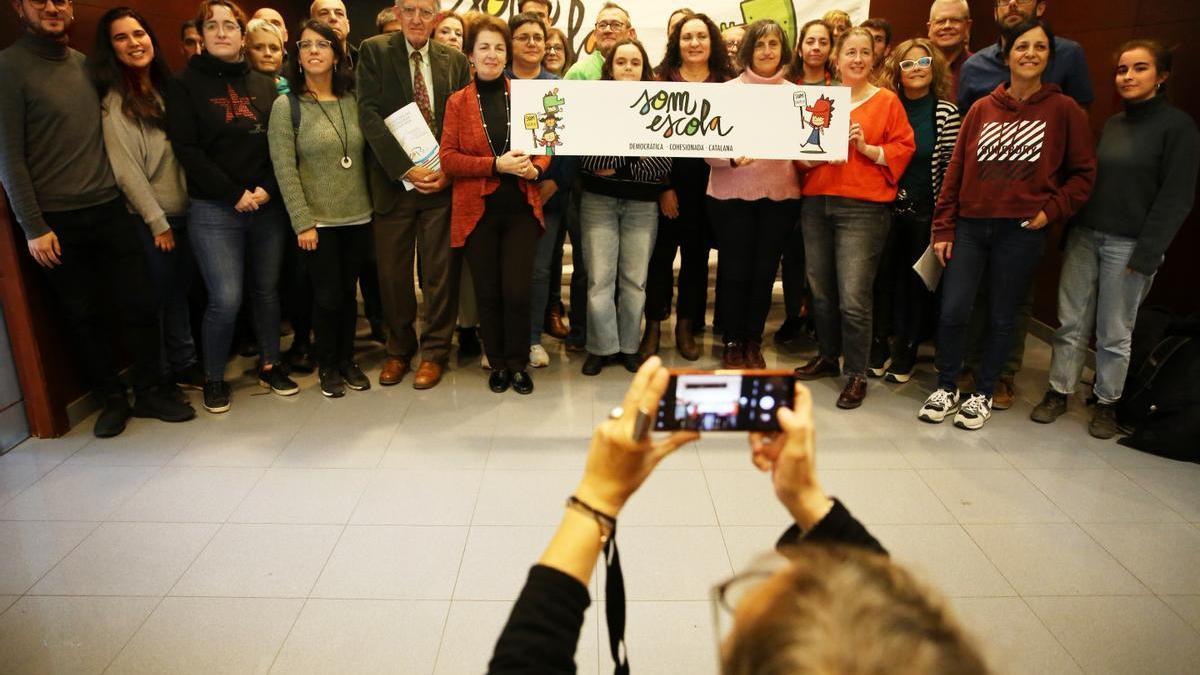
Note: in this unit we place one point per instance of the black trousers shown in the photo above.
(903, 306)
(296, 292)
(795, 281)
(690, 234)
(500, 251)
(103, 273)
(368, 282)
(752, 236)
(334, 269)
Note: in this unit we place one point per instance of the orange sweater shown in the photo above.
(885, 124)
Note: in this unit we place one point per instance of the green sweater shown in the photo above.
(51, 146)
(316, 189)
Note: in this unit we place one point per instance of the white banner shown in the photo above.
(649, 17)
(680, 119)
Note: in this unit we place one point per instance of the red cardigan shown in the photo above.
(467, 158)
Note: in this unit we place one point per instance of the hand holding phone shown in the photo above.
(790, 455)
(725, 400)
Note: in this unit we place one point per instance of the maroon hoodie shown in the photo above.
(1015, 158)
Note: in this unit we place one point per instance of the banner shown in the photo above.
(578, 17)
(680, 119)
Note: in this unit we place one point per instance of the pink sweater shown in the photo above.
(774, 179)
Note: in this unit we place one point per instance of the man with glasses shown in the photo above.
(950, 31)
(332, 13)
(981, 74)
(395, 70)
(612, 26)
(62, 190)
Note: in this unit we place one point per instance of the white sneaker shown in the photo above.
(974, 412)
(940, 404)
(538, 358)
(483, 363)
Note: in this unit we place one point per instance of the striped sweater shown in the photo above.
(637, 178)
(946, 123)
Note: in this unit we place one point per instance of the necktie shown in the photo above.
(421, 90)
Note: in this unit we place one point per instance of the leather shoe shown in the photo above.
(427, 376)
(113, 416)
(593, 364)
(631, 362)
(685, 339)
(650, 339)
(818, 367)
(734, 356)
(522, 383)
(1002, 397)
(393, 371)
(499, 380)
(854, 393)
(754, 357)
(554, 324)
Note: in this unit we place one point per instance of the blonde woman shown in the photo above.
(265, 51)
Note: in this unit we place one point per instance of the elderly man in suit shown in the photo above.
(393, 71)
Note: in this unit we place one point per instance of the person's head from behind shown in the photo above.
(765, 50)
(627, 62)
(264, 47)
(1027, 48)
(222, 28)
(840, 609)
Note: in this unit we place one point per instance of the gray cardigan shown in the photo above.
(145, 166)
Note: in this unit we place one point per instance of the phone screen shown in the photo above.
(725, 401)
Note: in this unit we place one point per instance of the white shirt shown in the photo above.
(426, 71)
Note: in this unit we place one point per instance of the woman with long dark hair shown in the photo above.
(218, 112)
(131, 74)
(322, 174)
(695, 53)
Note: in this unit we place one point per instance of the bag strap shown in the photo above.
(1162, 353)
(294, 101)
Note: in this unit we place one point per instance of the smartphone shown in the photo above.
(725, 400)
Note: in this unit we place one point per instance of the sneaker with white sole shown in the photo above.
(538, 358)
(974, 412)
(941, 404)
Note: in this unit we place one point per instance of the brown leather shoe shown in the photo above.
(650, 339)
(734, 356)
(685, 340)
(854, 393)
(428, 375)
(818, 367)
(555, 326)
(754, 356)
(1002, 398)
(394, 370)
(965, 381)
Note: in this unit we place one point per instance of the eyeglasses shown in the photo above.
(727, 595)
(410, 12)
(530, 38)
(923, 62)
(305, 45)
(1020, 3)
(615, 26)
(949, 21)
(556, 49)
(41, 4)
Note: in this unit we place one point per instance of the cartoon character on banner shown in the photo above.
(551, 121)
(820, 116)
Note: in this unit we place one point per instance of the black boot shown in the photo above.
(113, 416)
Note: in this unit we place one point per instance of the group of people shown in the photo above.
(127, 180)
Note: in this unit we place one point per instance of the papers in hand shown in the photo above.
(929, 268)
(412, 133)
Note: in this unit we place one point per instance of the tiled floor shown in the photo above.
(391, 530)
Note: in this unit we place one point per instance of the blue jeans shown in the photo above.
(172, 273)
(543, 263)
(843, 241)
(1008, 255)
(229, 247)
(1096, 290)
(618, 238)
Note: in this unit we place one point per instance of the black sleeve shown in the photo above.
(837, 527)
(543, 629)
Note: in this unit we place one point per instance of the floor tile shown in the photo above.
(29, 549)
(51, 451)
(1012, 638)
(751, 547)
(746, 498)
(991, 496)
(77, 493)
(860, 453)
(523, 497)
(309, 496)
(671, 498)
(496, 561)
(363, 637)
(473, 627)
(655, 568)
(260, 561)
(973, 452)
(1186, 606)
(7, 601)
(143, 443)
(209, 635)
(322, 441)
(187, 494)
(1100, 496)
(15, 476)
(1163, 556)
(393, 563)
(1053, 559)
(238, 441)
(724, 452)
(418, 497)
(1177, 487)
(128, 559)
(1121, 634)
(665, 637)
(431, 447)
(67, 635)
(1041, 447)
(548, 450)
(944, 556)
(885, 497)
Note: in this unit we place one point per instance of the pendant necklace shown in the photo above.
(507, 122)
(346, 161)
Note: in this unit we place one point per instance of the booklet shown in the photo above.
(929, 268)
(413, 134)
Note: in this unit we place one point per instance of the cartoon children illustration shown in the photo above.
(820, 116)
(551, 120)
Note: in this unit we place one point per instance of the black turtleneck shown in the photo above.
(1145, 179)
(493, 105)
(51, 144)
(217, 114)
